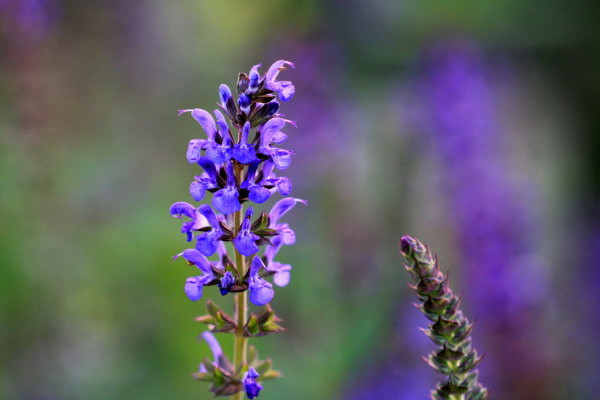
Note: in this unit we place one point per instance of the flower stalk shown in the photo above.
(241, 306)
(450, 329)
(238, 159)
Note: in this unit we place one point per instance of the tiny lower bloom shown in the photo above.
(251, 386)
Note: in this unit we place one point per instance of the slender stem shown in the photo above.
(240, 349)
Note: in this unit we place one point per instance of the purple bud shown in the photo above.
(224, 94)
(253, 79)
(244, 102)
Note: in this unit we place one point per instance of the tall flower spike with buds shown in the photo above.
(450, 329)
(237, 159)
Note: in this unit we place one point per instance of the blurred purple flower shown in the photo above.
(28, 20)
(496, 221)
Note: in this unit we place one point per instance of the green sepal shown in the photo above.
(217, 320)
(224, 382)
(271, 374)
(263, 324)
(252, 328)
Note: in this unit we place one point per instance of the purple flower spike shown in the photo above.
(239, 165)
(208, 242)
(284, 89)
(245, 242)
(242, 152)
(226, 283)
(251, 386)
(226, 200)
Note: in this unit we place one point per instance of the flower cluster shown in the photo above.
(240, 159)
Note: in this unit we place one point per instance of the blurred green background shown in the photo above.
(92, 155)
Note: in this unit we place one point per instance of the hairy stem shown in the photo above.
(240, 348)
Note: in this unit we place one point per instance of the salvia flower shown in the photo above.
(251, 386)
(284, 89)
(261, 291)
(245, 242)
(237, 157)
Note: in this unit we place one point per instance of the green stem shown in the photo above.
(240, 348)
